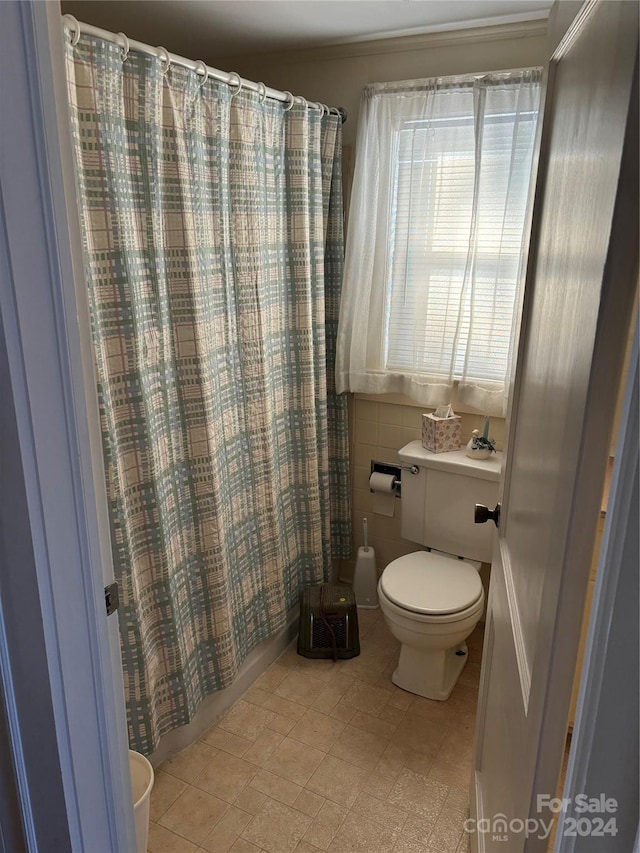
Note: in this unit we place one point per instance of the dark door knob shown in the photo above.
(483, 514)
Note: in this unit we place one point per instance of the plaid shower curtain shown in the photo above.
(213, 241)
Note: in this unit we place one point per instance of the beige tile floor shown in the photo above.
(324, 756)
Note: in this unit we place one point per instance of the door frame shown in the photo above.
(604, 717)
(50, 386)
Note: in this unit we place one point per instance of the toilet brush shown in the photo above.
(365, 576)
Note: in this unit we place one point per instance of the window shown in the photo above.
(437, 228)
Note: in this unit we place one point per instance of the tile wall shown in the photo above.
(378, 429)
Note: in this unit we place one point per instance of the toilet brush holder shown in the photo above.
(365, 576)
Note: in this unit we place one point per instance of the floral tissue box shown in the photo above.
(442, 430)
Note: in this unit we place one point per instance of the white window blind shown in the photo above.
(436, 234)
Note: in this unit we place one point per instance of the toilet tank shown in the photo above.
(438, 502)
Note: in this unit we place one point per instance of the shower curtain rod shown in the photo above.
(232, 79)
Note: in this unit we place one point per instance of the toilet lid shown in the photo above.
(431, 583)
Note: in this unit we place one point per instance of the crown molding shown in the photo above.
(421, 41)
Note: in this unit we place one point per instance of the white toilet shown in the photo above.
(432, 600)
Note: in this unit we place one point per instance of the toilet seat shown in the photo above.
(430, 583)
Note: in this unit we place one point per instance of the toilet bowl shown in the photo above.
(431, 602)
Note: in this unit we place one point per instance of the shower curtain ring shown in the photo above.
(165, 60)
(74, 24)
(262, 93)
(125, 46)
(234, 82)
(201, 68)
(290, 101)
(325, 107)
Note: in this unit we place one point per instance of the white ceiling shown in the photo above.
(207, 29)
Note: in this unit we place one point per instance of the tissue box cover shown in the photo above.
(441, 434)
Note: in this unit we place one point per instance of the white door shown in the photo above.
(580, 284)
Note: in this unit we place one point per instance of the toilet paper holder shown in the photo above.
(395, 470)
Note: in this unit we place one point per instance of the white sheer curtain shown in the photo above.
(435, 246)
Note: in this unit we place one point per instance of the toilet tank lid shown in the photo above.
(455, 461)
(432, 583)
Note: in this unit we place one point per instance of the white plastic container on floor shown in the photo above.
(141, 785)
(365, 575)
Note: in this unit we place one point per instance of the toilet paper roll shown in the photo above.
(384, 500)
